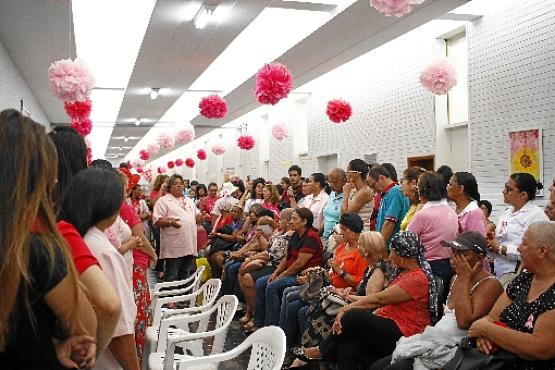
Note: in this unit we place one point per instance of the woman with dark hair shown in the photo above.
(202, 192)
(91, 203)
(463, 190)
(446, 173)
(316, 199)
(253, 195)
(72, 152)
(518, 193)
(159, 189)
(304, 251)
(39, 290)
(357, 196)
(436, 221)
(370, 327)
(177, 216)
(487, 208)
(409, 184)
(271, 199)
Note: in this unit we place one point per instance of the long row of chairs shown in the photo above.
(190, 325)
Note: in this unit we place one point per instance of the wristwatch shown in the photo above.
(343, 274)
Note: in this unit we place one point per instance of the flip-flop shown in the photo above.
(298, 352)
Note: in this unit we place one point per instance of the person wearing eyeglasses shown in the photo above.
(519, 192)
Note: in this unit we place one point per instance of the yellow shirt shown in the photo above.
(408, 217)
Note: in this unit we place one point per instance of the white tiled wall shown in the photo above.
(13, 88)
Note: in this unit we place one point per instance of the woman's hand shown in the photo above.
(336, 327)
(333, 264)
(463, 269)
(302, 279)
(347, 188)
(493, 245)
(479, 327)
(272, 278)
(77, 352)
(484, 345)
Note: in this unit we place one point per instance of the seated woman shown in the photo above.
(91, 203)
(39, 290)
(304, 251)
(263, 263)
(404, 308)
(473, 293)
(522, 320)
(347, 268)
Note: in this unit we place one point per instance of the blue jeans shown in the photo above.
(304, 322)
(268, 299)
(230, 285)
(290, 294)
(291, 328)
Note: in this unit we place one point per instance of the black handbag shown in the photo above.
(311, 289)
(468, 357)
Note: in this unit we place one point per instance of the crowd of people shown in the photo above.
(360, 268)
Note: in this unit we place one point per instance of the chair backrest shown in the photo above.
(193, 280)
(268, 351)
(225, 311)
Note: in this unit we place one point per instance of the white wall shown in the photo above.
(13, 88)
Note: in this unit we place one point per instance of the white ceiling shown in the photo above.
(174, 54)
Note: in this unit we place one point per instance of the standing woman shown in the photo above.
(519, 192)
(409, 184)
(38, 281)
(316, 199)
(357, 196)
(463, 190)
(159, 189)
(177, 216)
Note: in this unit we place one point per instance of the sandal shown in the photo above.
(249, 325)
(245, 319)
(298, 352)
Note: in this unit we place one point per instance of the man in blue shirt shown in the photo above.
(393, 206)
(332, 211)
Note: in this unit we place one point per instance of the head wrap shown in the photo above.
(408, 245)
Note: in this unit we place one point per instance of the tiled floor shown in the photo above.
(234, 337)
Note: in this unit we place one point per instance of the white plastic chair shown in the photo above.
(268, 351)
(209, 292)
(191, 284)
(192, 341)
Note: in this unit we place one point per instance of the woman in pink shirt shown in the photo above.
(463, 190)
(436, 221)
(270, 198)
(177, 217)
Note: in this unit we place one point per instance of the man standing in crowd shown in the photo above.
(393, 205)
(296, 187)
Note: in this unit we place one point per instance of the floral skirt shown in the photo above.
(144, 313)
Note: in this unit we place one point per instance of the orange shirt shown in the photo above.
(352, 262)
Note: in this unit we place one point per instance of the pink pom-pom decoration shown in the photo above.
(83, 127)
(171, 164)
(137, 163)
(184, 136)
(279, 131)
(246, 142)
(201, 154)
(189, 162)
(166, 141)
(179, 162)
(144, 154)
(140, 170)
(153, 148)
(213, 106)
(218, 149)
(273, 83)
(78, 110)
(396, 8)
(439, 77)
(162, 169)
(147, 174)
(70, 80)
(338, 110)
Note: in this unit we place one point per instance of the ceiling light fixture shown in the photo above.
(203, 16)
(154, 92)
(137, 122)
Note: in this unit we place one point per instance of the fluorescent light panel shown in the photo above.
(485, 7)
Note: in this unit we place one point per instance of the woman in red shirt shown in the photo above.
(370, 327)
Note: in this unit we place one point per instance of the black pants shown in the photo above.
(363, 336)
(156, 237)
(385, 364)
(179, 268)
(442, 269)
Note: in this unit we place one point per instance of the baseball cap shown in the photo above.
(469, 240)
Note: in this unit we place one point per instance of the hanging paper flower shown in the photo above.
(162, 169)
(179, 162)
(396, 8)
(213, 106)
(171, 164)
(166, 141)
(153, 148)
(78, 110)
(273, 83)
(184, 136)
(140, 170)
(279, 131)
(147, 174)
(201, 154)
(144, 155)
(218, 149)
(83, 127)
(137, 163)
(246, 142)
(70, 80)
(189, 162)
(439, 77)
(338, 110)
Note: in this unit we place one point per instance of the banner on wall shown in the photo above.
(526, 154)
